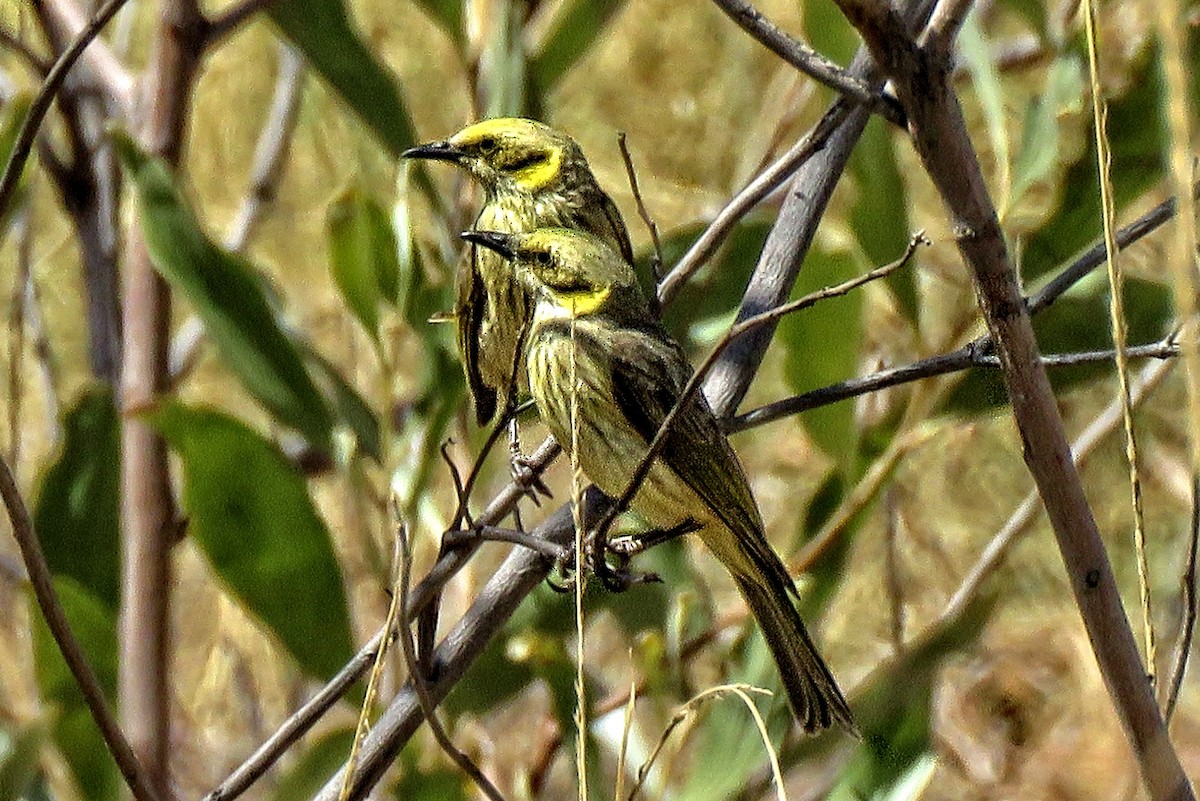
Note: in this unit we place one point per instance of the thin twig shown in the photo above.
(16, 334)
(62, 21)
(60, 629)
(742, 691)
(428, 708)
(1022, 518)
(1183, 649)
(737, 330)
(44, 355)
(274, 142)
(304, 718)
(809, 61)
(45, 96)
(11, 41)
(968, 355)
(656, 265)
(744, 201)
(1120, 331)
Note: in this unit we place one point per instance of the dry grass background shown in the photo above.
(1023, 716)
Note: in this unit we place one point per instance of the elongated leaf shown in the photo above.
(448, 14)
(1136, 137)
(363, 255)
(977, 54)
(12, 116)
(829, 32)
(1038, 155)
(879, 216)
(228, 297)
(322, 30)
(20, 757)
(73, 730)
(576, 29)
(350, 406)
(250, 512)
(823, 345)
(77, 516)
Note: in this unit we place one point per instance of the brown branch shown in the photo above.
(45, 96)
(809, 61)
(643, 212)
(148, 518)
(60, 629)
(971, 354)
(920, 74)
(1183, 649)
(13, 43)
(417, 681)
(100, 71)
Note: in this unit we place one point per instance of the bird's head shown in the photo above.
(575, 272)
(509, 153)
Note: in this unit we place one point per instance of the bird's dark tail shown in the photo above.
(812, 691)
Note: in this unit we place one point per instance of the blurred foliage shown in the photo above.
(323, 331)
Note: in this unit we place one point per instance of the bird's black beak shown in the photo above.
(493, 240)
(435, 151)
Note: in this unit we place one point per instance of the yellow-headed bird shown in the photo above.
(629, 373)
(533, 177)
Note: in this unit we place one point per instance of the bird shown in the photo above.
(592, 328)
(533, 176)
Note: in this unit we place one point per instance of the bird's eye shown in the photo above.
(543, 258)
(487, 144)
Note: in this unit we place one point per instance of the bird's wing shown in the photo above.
(620, 235)
(472, 305)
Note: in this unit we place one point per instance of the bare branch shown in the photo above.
(974, 353)
(417, 682)
(809, 61)
(271, 151)
(56, 620)
(64, 20)
(641, 207)
(921, 77)
(1183, 649)
(12, 42)
(45, 96)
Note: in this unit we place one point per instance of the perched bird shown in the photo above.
(533, 177)
(591, 322)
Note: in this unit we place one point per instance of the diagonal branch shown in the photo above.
(809, 61)
(921, 75)
(72, 651)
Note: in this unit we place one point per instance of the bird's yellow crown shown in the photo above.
(529, 153)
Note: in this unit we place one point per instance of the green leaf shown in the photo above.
(251, 514)
(730, 749)
(1137, 138)
(1038, 155)
(351, 407)
(977, 54)
(879, 217)
(823, 344)
(20, 756)
(228, 297)
(73, 730)
(77, 516)
(321, 29)
(316, 763)
(577, 26)
(448, 14)
(428, 784)
(715, 291)
(12, 117)
(828, 31)
(363, 255)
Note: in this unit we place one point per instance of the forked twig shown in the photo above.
(656, 264)
(428, 708)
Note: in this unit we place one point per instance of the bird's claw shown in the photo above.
(529, 482)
